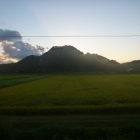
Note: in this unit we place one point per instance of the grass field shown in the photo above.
(83, 127)
(14, 77)
(6, 81)
(78, 107)
(73, 95)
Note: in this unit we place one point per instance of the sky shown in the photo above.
(19, 18)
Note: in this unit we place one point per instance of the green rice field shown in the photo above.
(6, 81)
(70, 107)
(77, 94)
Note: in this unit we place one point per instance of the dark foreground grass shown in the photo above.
(83, 127)
(71, 110)
(21, 79)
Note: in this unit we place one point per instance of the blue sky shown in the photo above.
(76, 17)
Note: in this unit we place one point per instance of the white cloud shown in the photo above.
(19, 50)
(14, 49)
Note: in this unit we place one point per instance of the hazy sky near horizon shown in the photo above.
(71, 18)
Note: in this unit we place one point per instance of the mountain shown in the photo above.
(135, 65)
(63, 59)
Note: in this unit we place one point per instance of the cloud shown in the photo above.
(14, 49)
(3, 60)
(9, 35)
(19, 50)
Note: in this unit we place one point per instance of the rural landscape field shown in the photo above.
(90, 106)
(69, 70)
(72, 94)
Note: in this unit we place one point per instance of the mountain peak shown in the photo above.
(63, 49)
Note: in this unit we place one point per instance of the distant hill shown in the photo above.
(64, 59)
(134, 64)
